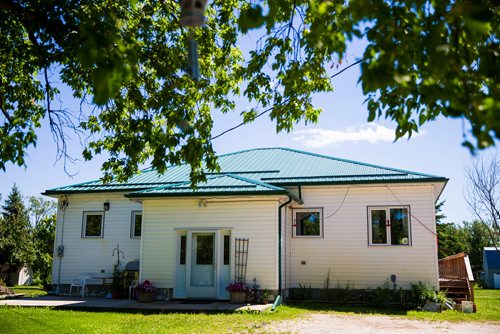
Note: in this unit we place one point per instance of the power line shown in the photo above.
(241, 124)
(340, 206)
(348, 67)
(397, 199)
(271, 108)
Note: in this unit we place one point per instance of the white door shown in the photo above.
(202, 273)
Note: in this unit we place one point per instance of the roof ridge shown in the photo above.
(329, 157)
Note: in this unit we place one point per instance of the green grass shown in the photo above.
(487, 303)
(31, 291)
(45, 320)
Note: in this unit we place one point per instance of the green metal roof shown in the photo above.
(218, 184)
(255, 171)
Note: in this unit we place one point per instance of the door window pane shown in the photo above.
(202, 260)
(379, 229)
(204, 249)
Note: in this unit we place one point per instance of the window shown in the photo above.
(227, 240)
(389, 225)
(93, 222)
(182, 253)
(308, 222)
(135, 230)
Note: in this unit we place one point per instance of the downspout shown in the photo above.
(60, 249)
(279, 244)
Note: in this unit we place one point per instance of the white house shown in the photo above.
(305, 215)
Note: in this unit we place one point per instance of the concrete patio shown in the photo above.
(125, 305)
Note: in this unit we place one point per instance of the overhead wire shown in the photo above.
(271, 108)
(412, 215)
(340, 206)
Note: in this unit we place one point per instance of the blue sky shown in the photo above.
(342, 131)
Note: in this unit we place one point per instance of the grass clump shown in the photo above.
(30, 291)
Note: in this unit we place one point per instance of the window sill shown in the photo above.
(385, 245)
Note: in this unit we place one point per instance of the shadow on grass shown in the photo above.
(356, 309)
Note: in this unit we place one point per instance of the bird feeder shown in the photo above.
(192, 15)
(192, 12)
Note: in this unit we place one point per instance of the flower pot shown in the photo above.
(145, 297)
(238, 297)
(118, 294)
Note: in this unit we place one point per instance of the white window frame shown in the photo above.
(294, 222)
(132, 224)
(84, 224)
(387, 209)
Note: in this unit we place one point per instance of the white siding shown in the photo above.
(256, 220)
(344, 249)
(91, 255)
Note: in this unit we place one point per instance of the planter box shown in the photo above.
(238, 297)
(145, 297)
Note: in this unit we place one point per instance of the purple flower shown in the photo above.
(146, 286)
(236, 287)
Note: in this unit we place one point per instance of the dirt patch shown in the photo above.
(361, 324)
(5, 290)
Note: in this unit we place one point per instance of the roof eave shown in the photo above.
(323, 183)
(198, 194)
(90, 191)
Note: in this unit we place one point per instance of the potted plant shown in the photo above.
(238, 292)
(145, 292)
(265, 297)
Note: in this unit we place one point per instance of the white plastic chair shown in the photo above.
(131, 288)
(79, 283)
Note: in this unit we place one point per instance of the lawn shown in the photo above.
(487, 302)
(46, 320)
(29, 291)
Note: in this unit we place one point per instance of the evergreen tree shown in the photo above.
(16, 244)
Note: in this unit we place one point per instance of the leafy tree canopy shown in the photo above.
(127, 59)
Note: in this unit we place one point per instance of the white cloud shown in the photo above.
(369, 132)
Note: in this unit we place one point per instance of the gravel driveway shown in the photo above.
(360, 324)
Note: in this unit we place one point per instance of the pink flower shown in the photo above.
(146, 286)
(237, 287)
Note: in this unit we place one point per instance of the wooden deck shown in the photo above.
(455, 277)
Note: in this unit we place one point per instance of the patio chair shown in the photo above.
(79, 283)
(131, 288)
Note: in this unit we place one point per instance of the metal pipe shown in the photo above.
(279, 243)
(62, 206)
